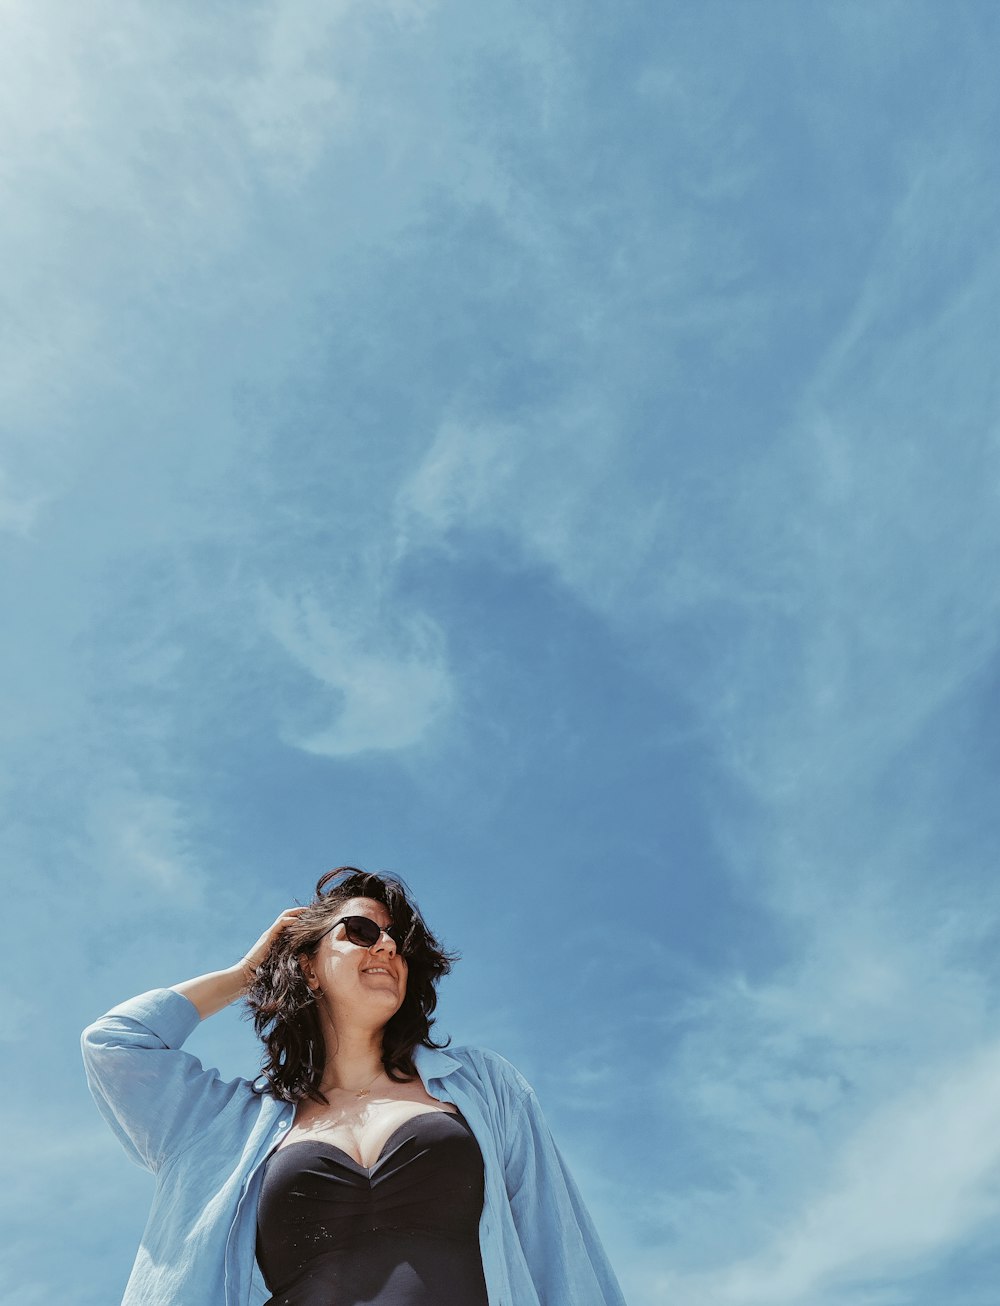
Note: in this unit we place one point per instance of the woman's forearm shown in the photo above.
(219, 988)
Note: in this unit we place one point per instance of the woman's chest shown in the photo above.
(360, 1130)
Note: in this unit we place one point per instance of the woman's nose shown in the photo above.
(383, 940)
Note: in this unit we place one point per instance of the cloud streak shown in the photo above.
(386, 688)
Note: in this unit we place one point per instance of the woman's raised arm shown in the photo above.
(211, 992)
(155, 1096)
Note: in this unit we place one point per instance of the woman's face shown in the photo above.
(355, 979)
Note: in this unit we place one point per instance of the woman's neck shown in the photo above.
(353, 1059)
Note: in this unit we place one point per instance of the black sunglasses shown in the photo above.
(364, 932)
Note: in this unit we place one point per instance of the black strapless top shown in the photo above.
(332, 1232)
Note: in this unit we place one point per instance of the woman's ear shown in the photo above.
(306, 967)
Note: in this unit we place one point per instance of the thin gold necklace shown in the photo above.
(358, 1092)
(363, 1092)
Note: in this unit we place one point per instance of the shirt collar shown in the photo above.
(432, 1063)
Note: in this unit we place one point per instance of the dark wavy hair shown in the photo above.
(282, 1006)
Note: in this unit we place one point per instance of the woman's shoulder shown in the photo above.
(483, 1063)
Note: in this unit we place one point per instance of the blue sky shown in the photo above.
(550, 452)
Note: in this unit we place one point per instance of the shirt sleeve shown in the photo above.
(558, 1237)
(155, 1097)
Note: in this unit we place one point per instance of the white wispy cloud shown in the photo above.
(137, 144)
(844, 1109)
(842, 1113)
(556, 485)
(920, 1174)
(460, 479)
(387, 681)
(854, 1095)
(143, 839)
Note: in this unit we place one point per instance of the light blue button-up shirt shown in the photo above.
(206, 1140)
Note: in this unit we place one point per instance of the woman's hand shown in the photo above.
(262, 947)
(210, 993)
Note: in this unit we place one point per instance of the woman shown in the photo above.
(369, 1165)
